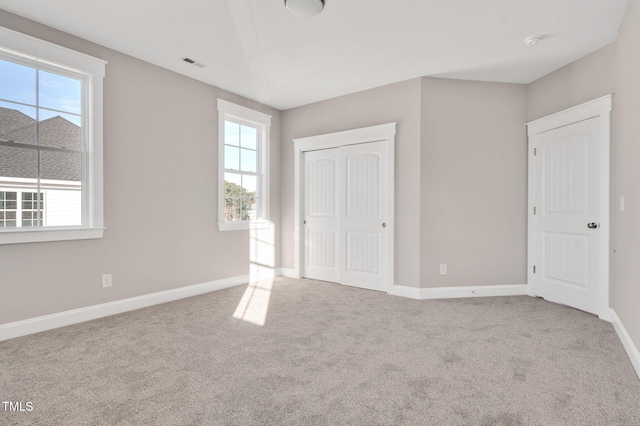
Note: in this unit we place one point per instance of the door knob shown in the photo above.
(384, 225)
(592, 225)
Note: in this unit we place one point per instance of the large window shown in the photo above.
(50, 141)
(243, 190)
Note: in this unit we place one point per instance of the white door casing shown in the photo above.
(370, 266)
(569, 175)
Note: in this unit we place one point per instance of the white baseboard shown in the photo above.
(286, 272)
(457, 292)
(61, 319)
(630, 347)
(404, 291)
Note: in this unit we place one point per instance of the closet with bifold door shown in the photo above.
(345, 214)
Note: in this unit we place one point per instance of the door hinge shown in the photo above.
(534, 210)
(535, 151)
(534, 269)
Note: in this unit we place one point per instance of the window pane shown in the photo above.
(62, 204)
(8, 219)
(240, 196)
(8, 202)
(18, 163)
(244, 211)
(18, 82)
(233, 178)
(231, 133)
(249, 137)
(61, 166)
(232, 209)
(231, 158)
(232, 191)
(248, 160)
(59, 130)
(250, 184)
(59, 92)
(250, 208)
(17, 123)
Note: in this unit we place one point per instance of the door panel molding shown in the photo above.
(381, 133)
(597, 112)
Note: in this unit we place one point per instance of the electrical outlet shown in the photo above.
(106, 281)
(443, 269)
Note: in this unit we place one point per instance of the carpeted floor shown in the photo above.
(326, 355)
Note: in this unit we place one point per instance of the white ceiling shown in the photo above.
(257, 49)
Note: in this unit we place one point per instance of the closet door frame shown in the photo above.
(380, 133)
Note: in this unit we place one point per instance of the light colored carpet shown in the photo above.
(326, 355)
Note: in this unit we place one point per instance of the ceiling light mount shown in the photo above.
(533, 40)
(304, 8)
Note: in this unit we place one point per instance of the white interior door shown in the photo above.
(344, 207)
(570, 220)
(345, 228)
(363, 239)
(322, 219)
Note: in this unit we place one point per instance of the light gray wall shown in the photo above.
(394, 103)
(587, 78)
(473, 183)
(160, 161)
(612, 69)
(625, 290)
(466, 142)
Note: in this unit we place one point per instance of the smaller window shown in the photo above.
(32, 209)
(243, 136)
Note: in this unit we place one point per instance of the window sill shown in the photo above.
(244, 225)
(16, 236)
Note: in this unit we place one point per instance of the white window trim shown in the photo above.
(230, 110)
(15, 45)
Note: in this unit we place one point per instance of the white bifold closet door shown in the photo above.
(345, 192)
(322, 219)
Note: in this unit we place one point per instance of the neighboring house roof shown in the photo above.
(55, 131)
(12, 119)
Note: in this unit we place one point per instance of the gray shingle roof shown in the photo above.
(55, 131)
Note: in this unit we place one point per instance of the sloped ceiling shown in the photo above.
(257, 49)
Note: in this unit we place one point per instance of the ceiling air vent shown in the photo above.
(192, 62)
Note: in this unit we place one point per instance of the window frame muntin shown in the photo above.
(240, 114)
(33, 52)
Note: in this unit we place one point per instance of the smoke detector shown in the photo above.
(532, 41)
(304, 8)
